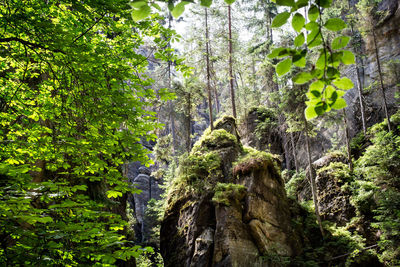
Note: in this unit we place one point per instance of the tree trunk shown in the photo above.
(230, 62)
(347, 141)
(189, 119)
(208, 76)
(359, 89)
(296, 164)
(312, 179)
(381, 80)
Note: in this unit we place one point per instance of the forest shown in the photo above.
(215, 133)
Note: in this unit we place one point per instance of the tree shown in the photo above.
(208, 73)
(74, 106)
(230, 62)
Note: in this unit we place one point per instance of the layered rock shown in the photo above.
(227, 207)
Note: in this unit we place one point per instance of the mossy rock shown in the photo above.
(253, 159)
(229, 193)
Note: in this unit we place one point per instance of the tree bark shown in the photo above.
(230, 62)
(312, 179)
(381, 80)
(189, 119)
(347, 141)
(208, 76)
(296, 164)
(359, 89)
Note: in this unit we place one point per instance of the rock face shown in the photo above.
(219, 217)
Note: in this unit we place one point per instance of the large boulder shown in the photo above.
(227, 207)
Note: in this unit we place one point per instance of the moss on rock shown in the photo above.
(227, 193)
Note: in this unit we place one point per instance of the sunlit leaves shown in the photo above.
(140, 11)
(302, 77)
(229, 2)
(340, 42)
(348, 57)
(343, 83)
(299, 40)
(335, 24)
(179, 9)
(313, 13)
(283, 66)
(280, 19)
(298, 22)
(206, 3)
(289, 3)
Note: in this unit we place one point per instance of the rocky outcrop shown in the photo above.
(228, 206)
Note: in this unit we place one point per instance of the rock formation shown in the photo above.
(228, 206)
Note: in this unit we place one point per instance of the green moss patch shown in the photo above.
(213, 140)
(226, 193)
(253, 159)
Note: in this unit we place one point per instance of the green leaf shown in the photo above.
(299, 61)
(114, 194)
(285, 3)
(206, 3)
(339, 104)
(335, 24)
(283, 66)
(311, 26)
(229, 2)
(320, 64)
(298, 22)
(276, 52)
(324, 3)
(313, 13)
(156, 6)
(302, 78)
(301, 3)
(317, 86)
(340, 42)
(179, 9)
(138, 4)
(46, 219)
(314, 38)
(310, 113)
(280, 19)
(343, 83)
(348, 57)
(141, 13)
(299, 40)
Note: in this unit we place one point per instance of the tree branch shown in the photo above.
(29, 44)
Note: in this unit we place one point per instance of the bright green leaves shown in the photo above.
(324, 3)
(206, 3)
(348, 57)
(229, 2)
(179, 9)
(283, 66)
(298, 22)
(313, 13)
(340, 42)
(289, 3)
(335, 24)
(280, 19)
(343, 83)
(140, 10)
(113, 194)
(302, 77)
(299, 40)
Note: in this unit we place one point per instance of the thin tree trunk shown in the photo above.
(296, 164)
(347, 141)
(189, 119)
(381, 80)
(208, 76)
(359, 89)
(171, 106)
(230, 62)
(312, 179)
(212, 71)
